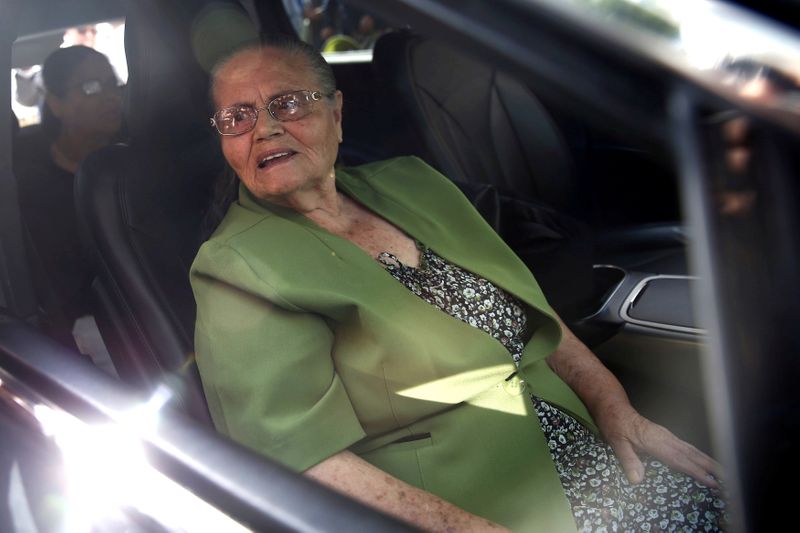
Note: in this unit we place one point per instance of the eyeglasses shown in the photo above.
(95, 87)
(287, 107)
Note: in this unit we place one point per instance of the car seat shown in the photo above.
(479, 125)
(143, 203)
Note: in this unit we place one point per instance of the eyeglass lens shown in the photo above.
(292, 106)
(93, 87)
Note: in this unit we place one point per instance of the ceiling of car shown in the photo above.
(41, 16)
(42, 22)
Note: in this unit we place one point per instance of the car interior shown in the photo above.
(589, 203)
(144, 203)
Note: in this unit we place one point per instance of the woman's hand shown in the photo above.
(631, 434)
(628, 432)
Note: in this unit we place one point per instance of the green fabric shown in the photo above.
(307, 346)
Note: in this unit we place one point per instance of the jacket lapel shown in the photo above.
(495, 262)
(492, 260)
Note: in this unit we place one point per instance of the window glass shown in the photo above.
(334, 25)
(27, 88)
(752, 58)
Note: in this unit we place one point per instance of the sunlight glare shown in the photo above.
(483, 387)
(107, 472)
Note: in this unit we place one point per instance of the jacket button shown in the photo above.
(514, 386)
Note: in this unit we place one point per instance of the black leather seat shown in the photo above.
(471, 121)
(145, 234)
(479, 125)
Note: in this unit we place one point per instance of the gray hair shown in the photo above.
(290, 45)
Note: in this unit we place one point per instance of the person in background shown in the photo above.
(30, 88)
(315, 21)
(295, 11)
(29, 91)
(82, 112)
(367, 32)
(80, 36)
(767, 85)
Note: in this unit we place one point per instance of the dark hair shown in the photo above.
(226, 187)
(57, 71)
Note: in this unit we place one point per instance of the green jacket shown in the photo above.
(307, 346)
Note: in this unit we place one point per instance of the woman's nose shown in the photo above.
(266, 126)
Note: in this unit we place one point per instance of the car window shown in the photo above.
(30, 52)
(756, 60)
(334, 26)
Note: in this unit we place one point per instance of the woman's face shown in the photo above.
(90, 115)
(306, 149)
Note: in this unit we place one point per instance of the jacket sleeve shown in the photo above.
(266, 365)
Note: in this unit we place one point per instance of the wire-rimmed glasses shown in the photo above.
(287, 107)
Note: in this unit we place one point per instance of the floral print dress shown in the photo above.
(600, 495)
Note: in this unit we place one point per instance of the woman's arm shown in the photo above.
(271, 385)
(347, 473)
(621, 425)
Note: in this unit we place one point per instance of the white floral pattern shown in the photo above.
(602, 500)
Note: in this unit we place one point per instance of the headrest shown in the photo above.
(171, 47)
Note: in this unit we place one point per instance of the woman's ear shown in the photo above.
(337, 115)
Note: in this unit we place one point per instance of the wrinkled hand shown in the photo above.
(630, 434)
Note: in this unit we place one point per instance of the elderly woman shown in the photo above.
(367, 327)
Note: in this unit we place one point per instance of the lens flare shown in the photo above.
(109, 478)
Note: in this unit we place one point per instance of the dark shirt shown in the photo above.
(59, 262)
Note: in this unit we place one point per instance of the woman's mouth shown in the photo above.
(275, 159)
